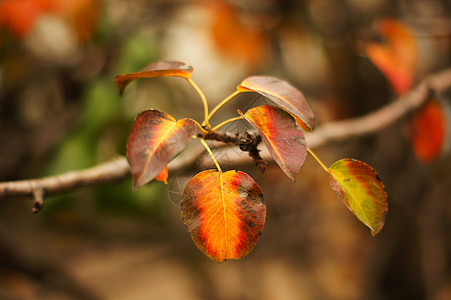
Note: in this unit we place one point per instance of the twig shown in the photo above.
(118, 168)
(246, 141)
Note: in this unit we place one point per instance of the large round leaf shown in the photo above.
(361, 190)
(158, 69)
(283, 94)
(154, 140)
(281, 135)
(224, 213)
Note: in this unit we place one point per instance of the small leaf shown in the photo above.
(283, 94)
(281, 135)
(158, 69)
(361, 190)
(153, 142)
(397, 59)
(224, 213)
(163, 176)
(428, 131)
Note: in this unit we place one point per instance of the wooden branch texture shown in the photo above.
(118, 168)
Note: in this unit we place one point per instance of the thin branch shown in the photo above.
(118, 168)
(114, 170)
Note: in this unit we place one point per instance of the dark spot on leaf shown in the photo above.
(347, 180)
(251, 224)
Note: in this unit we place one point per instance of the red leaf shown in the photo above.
(281, 135)
(428, 131)
(283, 94)
(398, 58)
(19, 16)
(224, 213)
(154, 140)
(158, 69)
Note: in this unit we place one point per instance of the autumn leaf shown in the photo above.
(361, 190)
(427, 130)
(237, 40)
(396, 59)
(224, 213)
(283, 94)
(19, 16)
(163, 176)
(154, 140)
(281, 135)
(158, 69)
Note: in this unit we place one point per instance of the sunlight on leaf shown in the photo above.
(361, 190)
(224, 213)
(283, 94)
(154, 140)
(158, 69)
(281, 135)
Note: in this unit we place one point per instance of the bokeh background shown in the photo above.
(60, 111)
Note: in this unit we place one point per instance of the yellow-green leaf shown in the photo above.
(361, 190)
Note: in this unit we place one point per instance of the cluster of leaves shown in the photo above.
(224, 211)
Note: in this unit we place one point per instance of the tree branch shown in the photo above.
(118, 168)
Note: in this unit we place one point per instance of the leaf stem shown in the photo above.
(204, 100)
(204, 132)
(225, 122)
(215, 109)
(211, 154)
(317, 159)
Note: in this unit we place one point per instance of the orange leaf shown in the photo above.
(283, 94)
(238, 40)
(281, 135)
(360, 189)
(428, 131)
(20, 15)
(397, 59)
(224, 213)
(163, 176)
(155, 139)
(158, 69)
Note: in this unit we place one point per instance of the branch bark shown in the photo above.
(118, 168)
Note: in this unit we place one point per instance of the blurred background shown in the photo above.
(60, 111)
